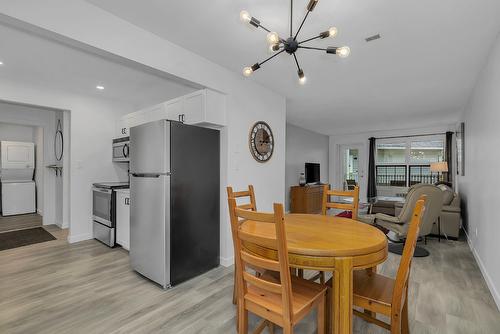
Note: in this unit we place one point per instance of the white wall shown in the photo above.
(479, 187)
(247, 101)
(362, 140)
(14, 132)
(303, 146)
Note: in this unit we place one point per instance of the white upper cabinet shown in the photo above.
(204, 108)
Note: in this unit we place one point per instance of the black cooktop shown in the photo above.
(112, 185)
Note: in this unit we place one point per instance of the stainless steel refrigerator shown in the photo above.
(174, 201)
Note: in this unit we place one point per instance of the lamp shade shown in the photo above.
(439, 166)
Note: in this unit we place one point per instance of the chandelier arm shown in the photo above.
(296, 61)
(300, 27)
(274, 55)
(311, 48)
(310, 39)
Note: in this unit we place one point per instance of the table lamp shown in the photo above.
(439, 167)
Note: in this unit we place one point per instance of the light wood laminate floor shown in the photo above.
(20, 222)
(54, 287)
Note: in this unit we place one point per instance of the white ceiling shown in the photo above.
(35, 60)
(420, 73)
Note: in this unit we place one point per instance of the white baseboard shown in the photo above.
(486, 276)
(79, 237)
(226, 261)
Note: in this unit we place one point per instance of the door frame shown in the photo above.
(339, 183)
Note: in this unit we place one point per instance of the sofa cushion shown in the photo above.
(448, 194)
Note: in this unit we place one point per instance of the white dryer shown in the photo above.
(17, 166)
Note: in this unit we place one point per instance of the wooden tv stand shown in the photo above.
(306, 199)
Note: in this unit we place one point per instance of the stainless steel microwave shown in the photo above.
(121, 149)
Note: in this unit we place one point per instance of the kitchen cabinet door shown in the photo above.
(194, 108)
(122, 128)
(174, 109)
(123, 219)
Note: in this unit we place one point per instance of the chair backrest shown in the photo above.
(251, 205)
(400, 292)
(433, 207)
(353, 207)
(244, 258)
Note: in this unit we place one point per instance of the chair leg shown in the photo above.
(242, 318)
(287, 329)
(321, 316)
(270, 325)
(234, 289)
(300, 273)
(405, 327)
(322, 277)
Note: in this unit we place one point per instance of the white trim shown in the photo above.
(226, 261)
(80, 237)
(486, 276)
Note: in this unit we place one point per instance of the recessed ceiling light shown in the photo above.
(99, 87)
(1, 62)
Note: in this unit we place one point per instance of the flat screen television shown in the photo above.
(312, 172)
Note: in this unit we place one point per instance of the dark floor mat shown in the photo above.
(20, 238)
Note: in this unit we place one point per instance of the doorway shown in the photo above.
(351, 167)
(45, 202)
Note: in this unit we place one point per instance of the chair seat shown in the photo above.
(374, 288)
(373, 291)
(305, 294)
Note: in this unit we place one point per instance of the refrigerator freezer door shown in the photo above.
(149, 227)
(195, 192)
(149, 148)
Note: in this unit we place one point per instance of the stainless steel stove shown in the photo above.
(104, 211)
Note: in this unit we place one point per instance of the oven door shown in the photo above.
(102, 207)
(121, 152)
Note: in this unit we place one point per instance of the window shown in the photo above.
(405, 162)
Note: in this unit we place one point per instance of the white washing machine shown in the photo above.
(16, 177)
(18, 197)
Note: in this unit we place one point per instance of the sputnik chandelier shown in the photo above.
(279, 45)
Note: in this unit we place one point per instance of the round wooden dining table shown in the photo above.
(331, 244)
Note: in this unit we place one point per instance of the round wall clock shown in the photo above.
(261, 141)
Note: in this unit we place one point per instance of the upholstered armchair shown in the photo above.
(399, 223)
(449, 219)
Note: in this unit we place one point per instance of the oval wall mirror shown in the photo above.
(59, 142)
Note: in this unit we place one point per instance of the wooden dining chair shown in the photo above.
(249, 205)
(375, 293)
(328, 204)
(283, 301)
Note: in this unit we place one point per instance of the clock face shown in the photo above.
(261, 142)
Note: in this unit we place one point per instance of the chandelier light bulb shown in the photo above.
(343, 52)
(302, 77)
(247, 71)
(273, 38)
(333, 32)
(245, 16)
(274, 47)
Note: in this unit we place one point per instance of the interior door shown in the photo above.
(351, 167)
